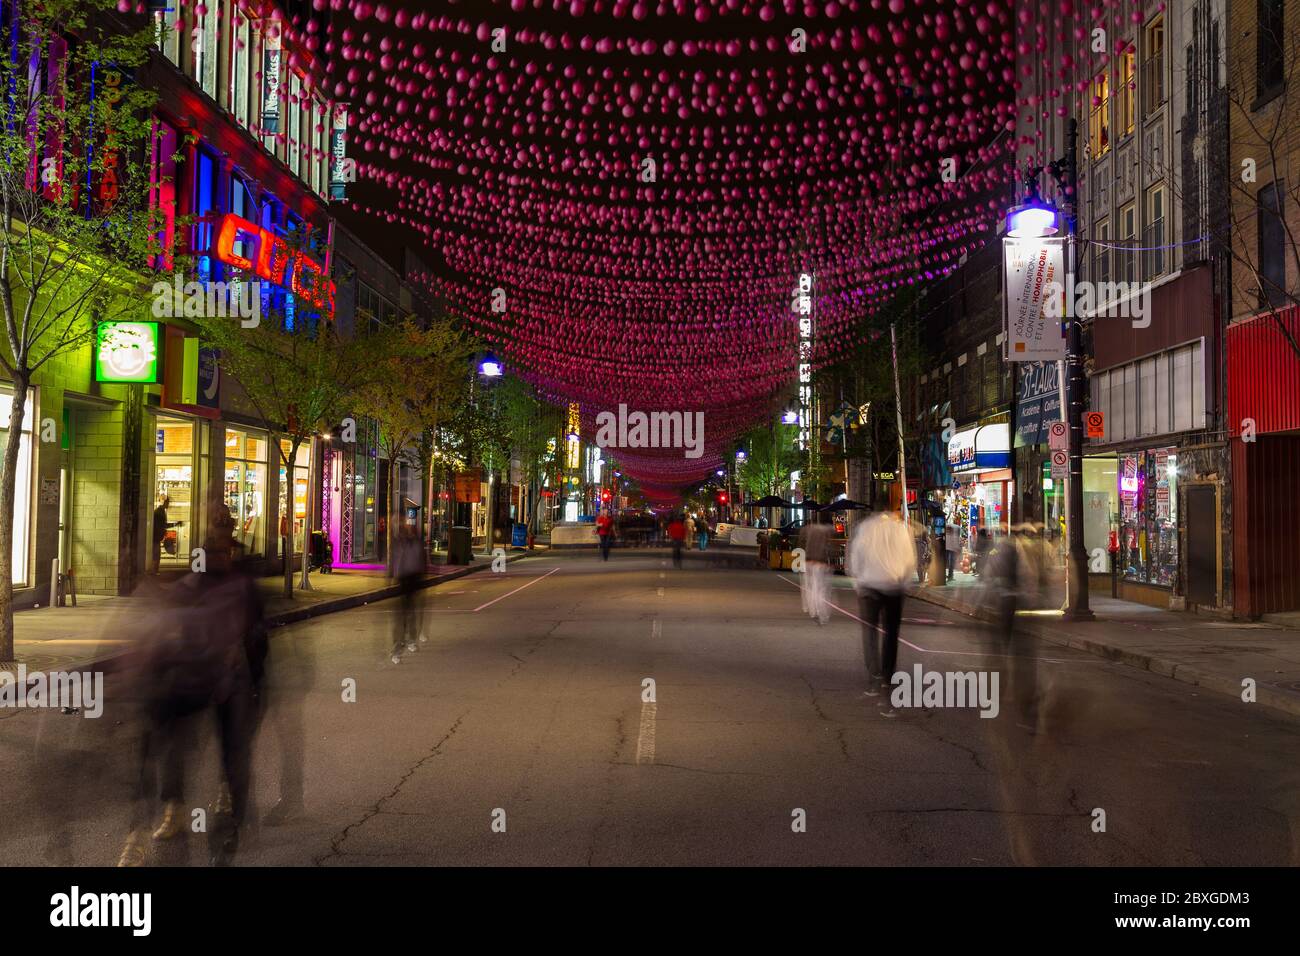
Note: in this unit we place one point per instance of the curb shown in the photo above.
(115, 661)
(1265, 696)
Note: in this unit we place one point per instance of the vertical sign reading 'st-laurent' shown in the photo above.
(271, 55)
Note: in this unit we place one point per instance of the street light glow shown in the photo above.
(490, 367)
(1032, 220)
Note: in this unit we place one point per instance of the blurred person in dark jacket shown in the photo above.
(206, 653)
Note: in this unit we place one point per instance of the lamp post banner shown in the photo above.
(1032, 270)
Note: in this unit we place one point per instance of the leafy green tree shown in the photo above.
(76, 232)
(300, 381)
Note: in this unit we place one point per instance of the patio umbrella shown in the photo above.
(846, 504)
(769, 501)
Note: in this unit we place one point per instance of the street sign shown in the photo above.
(1057, 435)
(1095, 422)
(1060, 464)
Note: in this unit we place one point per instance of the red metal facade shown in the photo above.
(1266, 525)
(1264, 374)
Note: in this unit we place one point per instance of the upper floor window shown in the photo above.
(1099, 117)
(1127, 82)
(1269, 48)
(1128, 235)
(1154, 237)
(203, 45)
(1101, 252)
(241, 68)
(167, 37)
(1153, 65)
(1272, 247)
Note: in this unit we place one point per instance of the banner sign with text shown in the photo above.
(1030, 268)
(1038, 401)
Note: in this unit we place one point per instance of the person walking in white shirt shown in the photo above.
(880, 559)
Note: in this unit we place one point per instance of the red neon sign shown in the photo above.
(273, 258)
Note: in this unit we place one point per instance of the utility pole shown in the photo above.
(898, 409)
(1066, 173)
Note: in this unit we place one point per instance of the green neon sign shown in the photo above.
(126, 352)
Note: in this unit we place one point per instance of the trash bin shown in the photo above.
(458, 547)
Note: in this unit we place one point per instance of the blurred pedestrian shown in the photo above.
(815, 539)
(1012, 576)
(605, 532)
(880, 559)
(951, 547)
(160, 529)
(205, 651)
(702, 531)
(408, 569)
(677, 535)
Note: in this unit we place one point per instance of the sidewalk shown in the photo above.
(98, 631)
(1206, 652)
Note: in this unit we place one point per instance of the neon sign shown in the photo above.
(270, 258)
(126, 352)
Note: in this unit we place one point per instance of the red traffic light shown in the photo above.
(722, 497)
(604, 494)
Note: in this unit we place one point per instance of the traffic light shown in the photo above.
(604, 494)
(722, 497)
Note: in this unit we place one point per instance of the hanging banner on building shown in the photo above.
(1038, 401)
(271, 61)
(1030, 268)
(342, 168)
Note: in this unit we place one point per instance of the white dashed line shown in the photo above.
(645, 739)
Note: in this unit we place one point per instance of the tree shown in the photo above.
(301, 381)
(76, 232)
(770, 457)
(422, 377)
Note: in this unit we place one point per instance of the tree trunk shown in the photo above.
(8, 481)
(290, 472)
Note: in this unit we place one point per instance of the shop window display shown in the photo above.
(1148, 491)
(174, 488)
(295, 518)
(245, 488)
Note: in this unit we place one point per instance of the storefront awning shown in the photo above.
(980, 449)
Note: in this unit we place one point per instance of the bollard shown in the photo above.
(54, 582)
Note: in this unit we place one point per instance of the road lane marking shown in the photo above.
(656, 631)
(516, 590)
(660, 591)
(645, 738)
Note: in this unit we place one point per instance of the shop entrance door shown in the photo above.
(1202, 545)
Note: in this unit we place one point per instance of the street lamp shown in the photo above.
(490, 367)
(790, 418)
(1035, 218)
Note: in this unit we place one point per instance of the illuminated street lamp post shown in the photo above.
(1036, 218)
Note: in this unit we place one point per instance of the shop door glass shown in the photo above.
(174, 489)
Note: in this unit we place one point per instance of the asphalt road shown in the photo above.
(524, 711)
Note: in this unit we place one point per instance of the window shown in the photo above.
(1127, 82)
(163, 173)
(1147, 397)
(22, 503)
(1269, 59)
(294, 109)
(1101, 252)
(1099, 117)
(167, 37)
(203, 44)
(1153, 66)
(204, 202)
(1272, 245)
(1154, 396)
(1154, 237)
(245, 488)
(241, 59)
(1128, 235)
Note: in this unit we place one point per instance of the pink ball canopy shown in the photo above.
(641, 184)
